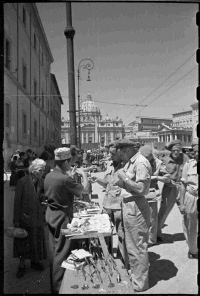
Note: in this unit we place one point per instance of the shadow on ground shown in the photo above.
(171, 238)
(160, 269)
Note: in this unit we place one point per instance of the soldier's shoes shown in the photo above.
(192, 256)
(151, 245)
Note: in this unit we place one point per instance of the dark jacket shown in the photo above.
(27, 201)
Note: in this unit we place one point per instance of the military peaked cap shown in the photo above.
(126, 142)
(113, 144)
(174, 144)
(195, 142)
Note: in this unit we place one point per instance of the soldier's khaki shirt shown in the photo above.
(137, 169)
(190, 176)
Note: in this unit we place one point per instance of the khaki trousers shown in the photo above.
(169, 198)
(153, 222)
(136, 222)
(190, 222)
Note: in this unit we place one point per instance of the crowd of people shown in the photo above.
(131, 200)
(132, 194)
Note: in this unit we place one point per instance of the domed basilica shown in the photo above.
(96, 131)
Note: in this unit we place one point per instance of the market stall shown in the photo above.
(91, 268)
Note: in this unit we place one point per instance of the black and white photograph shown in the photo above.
(100, 147)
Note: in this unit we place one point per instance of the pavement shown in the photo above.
(171, 272)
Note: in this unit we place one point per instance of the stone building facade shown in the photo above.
(169, 133)
(195, 119)
(27, 81)
(145, 123)
(96, 131)
(182, 119)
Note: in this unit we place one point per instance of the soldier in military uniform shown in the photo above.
(170, 193)
(188, 203)
(134, 179)
(112, 198)
(159, 173)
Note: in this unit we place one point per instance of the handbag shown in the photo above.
(15, 232)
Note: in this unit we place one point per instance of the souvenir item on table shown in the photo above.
(89, 209)
(76, 259)
(96, 223)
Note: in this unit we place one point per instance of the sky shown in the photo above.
(135, 48)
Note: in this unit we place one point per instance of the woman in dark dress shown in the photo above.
(13, 166)
(28, 214)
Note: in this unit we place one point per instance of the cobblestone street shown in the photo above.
(171, 272)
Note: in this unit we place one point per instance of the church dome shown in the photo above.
(89, 105)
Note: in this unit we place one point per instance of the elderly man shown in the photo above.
(134, 179)
(112, 198)
(159, 173)
(188, 203)
(60, 189)
(170, 193)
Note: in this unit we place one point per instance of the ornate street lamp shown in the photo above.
(89, 65)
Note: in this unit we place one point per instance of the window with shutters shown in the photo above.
(43, 133)
(7, 53)
(35, 89)
(35, 41)
(24, 123)
(24, 16)
(7, 115)
(35, 128)
(24, 74)
(42, 100)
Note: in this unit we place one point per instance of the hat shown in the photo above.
(62, 153)
(75, 147)
(146, 151)
(195, 145)
(126, 142)
(196, 148)
(113, 144)
(89, 151)
(175, 144)
(195, 142)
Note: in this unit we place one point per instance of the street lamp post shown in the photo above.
(89, 65)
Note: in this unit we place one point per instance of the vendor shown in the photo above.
(60, 189)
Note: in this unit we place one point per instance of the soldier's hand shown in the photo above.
(93, 179)
(80, 171)
(182, 209)
(121, 175)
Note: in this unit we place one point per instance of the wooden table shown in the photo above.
(72, 278)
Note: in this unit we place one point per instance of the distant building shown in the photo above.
(182, 119)
(145, 129)
(195, 119)
(95, 130)
(145, 123)
(128, 132)
(27, 83)
(169, 133)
